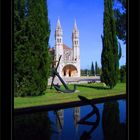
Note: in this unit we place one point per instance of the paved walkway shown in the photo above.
(76, 80)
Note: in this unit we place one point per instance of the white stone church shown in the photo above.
(70, 61)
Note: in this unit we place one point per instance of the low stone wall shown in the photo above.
(76, 80)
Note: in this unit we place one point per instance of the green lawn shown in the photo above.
(53, 97)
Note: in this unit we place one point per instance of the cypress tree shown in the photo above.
(123, 73)
(34, 67)
(39, 32)
(96, 68)
(109, 57)
(92, 69)
(20, 47)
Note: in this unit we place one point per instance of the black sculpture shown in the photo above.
(95, 111)
(57, 87)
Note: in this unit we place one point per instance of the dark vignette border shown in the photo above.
(133, 58)
(6, 73)
(134, 69)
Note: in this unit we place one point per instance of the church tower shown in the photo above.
(75, 46)
(58, 40)
(69, 65)
(59, 45)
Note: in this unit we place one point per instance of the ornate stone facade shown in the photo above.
(70, 60)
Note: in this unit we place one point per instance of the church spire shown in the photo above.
(58, 30)
(75, 25)
(58, 24)
(75, 30)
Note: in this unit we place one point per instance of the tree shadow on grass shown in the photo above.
(95, 87)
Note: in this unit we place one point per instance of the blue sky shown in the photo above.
(89, 18)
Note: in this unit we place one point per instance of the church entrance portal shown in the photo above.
(69, 71)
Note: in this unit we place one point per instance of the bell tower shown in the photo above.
(58, 40)
(75, 47)
(75, 42)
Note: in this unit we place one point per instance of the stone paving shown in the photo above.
(76, 80)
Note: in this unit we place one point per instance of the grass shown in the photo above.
(91, 91)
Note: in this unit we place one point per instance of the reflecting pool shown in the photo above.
(104, 121)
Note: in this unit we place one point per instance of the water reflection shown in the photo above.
(105, 121)
(32, 127)
(76, 116)
(59, 119)
(87, 134)
(112, 128)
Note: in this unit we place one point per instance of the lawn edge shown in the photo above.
(49, 107)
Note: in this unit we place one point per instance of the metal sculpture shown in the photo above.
(56, 86)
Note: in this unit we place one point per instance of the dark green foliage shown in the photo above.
(31, 56)
(109, 57)
(97, 69)
(112, 128)
(121, 25)
(120, 17)
(100, 70)
(52, 59)
(120, 51)
(85, 72)
(123, 73)
(92, 69)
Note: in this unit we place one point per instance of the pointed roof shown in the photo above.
(58, 24)
(75, 29)
(75, 25)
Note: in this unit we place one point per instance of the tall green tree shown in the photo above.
(92, 69)
(96, 68)
(120, 18)
(20, 46)
(109, 56)
(31, 55)
(123, 73)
